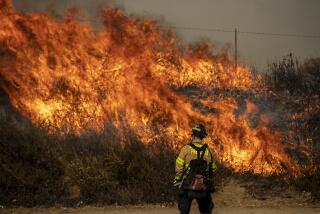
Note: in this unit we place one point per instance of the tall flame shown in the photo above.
(70, 78)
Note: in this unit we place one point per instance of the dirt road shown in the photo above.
(173, 210)
(232, 199)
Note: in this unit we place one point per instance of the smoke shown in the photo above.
(89, 11)
(248, 15)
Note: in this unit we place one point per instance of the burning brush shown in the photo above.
(67, 77)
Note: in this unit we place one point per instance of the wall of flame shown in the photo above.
(67, 77)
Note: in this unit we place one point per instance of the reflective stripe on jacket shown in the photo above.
(187, 154)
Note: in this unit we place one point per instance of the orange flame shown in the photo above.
(70, 78)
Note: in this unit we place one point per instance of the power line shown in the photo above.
(282, 34)
(249, 32)
(232, 31)
(202, 29)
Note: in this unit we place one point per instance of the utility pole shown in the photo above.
(236, 49)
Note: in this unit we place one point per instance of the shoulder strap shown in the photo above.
(202, 148)
(211, 155)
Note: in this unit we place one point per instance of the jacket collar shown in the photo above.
(197, 143)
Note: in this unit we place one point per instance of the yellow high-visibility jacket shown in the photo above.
(187, 154)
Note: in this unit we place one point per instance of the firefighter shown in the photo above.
(194, 170)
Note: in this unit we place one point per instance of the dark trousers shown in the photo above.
(184, 203)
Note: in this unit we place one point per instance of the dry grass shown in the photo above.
(37, 168)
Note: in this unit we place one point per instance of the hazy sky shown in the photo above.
(270, 16)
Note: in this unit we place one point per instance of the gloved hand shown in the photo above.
(177, 186)
(177, 183)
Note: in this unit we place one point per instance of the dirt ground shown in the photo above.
(232, 199)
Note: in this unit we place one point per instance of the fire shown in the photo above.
(71, 78)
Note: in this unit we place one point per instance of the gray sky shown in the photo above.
(270, 16)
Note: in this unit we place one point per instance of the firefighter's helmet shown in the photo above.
(199, 131)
